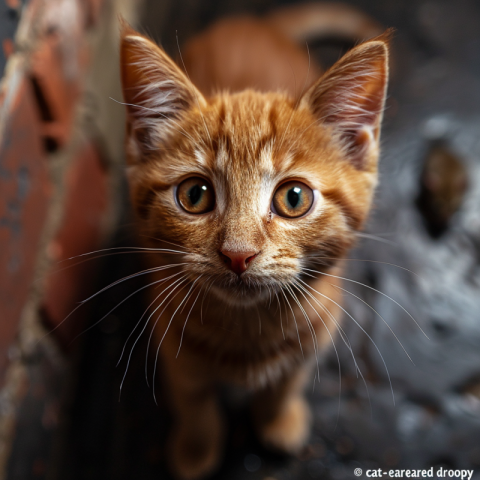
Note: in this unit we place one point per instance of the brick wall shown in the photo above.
(60, 175)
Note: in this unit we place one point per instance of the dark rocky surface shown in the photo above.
(434, 417)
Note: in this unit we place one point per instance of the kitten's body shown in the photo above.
(264, 326)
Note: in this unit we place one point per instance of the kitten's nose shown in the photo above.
(237, 261)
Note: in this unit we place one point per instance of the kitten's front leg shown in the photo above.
(195, 443)
(282, 415)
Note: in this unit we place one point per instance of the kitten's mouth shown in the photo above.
(244, 283)
(241, 290)
(244, 290)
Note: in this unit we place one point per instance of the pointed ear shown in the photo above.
(350, 98)
(156, 91)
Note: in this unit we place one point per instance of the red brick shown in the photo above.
(93, 8)
(80, 232)
(14, 4)
(24, 193)
(57, 92)
(8, 47)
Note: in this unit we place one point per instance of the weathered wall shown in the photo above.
(61, 171)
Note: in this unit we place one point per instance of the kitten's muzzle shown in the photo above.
(237, 262)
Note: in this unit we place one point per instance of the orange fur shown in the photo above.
(259, 330)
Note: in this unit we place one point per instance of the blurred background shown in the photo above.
(414, 279)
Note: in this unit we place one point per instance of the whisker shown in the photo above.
(162, 240)
(335, 349)
(181, 280)
(369, 236)
(339, 328)
(203, 299)
(156, 322)
(182, 131)
(161, 341)
(146, 310)
(92, 258)
(116, 306)
(311, 329)
(348, 345)
(117, 282)
(142, 249)
(134, 275)
(281, 317)
(361, 328)
(295, 319)
(269, 295)
(196, 96)
(298, 98)
(306, 77)
(259, 320)
(384, 321)
(370, 261)
(186, 320)
(371, 288)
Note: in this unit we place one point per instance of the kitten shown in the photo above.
(250, 198)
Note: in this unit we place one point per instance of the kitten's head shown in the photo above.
(253, 186)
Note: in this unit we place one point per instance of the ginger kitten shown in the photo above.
(250, 180)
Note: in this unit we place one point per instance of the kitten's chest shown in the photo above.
(247, 355)
(249, 348)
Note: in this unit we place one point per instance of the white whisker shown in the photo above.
(169, 119)
(117, 282)
(281, 317)
(181, 280)
(163, 337)
(361, 328)
(186, 320)
(196, 96)
(311, 329)
(295, 320)
(146, 310)
(371, 288)
(384, 321)
(370, 261)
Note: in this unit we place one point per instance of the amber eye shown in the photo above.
(196, 195)
(292, 199)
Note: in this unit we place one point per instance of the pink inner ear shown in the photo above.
(157, 92)
(358, 141)
(351, 95)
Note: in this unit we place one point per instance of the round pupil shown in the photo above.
(196, 192)
(293, 196)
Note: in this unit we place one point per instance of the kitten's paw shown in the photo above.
(193, 458)
(288, 432)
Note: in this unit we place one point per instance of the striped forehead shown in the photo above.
(244, 178)
(233, 157)
(246, 136)
(242, 159)
(246, 152)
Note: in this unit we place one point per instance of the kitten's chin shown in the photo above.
(241, 295)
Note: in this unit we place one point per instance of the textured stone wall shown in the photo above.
(61, 171)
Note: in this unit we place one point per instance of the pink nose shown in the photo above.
(237, 261)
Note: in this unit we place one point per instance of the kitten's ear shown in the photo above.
(156, 91)
(350, 97)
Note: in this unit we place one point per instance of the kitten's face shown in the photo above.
(251, 186)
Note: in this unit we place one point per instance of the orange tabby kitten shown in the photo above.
(250, 181)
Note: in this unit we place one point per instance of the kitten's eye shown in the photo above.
(196, 195)
(292, 199)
